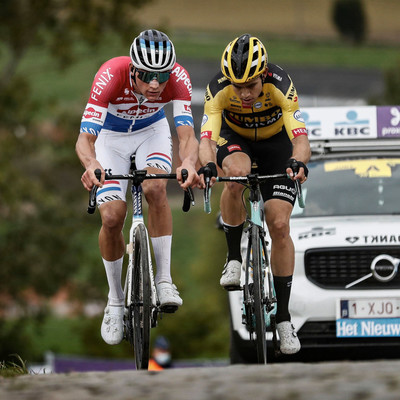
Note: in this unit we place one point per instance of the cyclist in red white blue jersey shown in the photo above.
(123, 117)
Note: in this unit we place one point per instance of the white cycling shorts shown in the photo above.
(152, 147)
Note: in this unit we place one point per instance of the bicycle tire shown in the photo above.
(141, 299)
(259, 295)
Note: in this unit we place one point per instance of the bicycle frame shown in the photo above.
(257, 218)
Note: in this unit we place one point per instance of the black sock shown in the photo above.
(282, 284)
(233, 236)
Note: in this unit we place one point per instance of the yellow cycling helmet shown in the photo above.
(244, 59)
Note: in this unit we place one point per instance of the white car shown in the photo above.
(345, 300)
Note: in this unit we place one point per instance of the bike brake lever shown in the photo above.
(188, 196)
(92, 194)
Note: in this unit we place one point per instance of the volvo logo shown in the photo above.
(384, 267)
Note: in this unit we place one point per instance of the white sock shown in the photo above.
(113, 272)
(162, 254)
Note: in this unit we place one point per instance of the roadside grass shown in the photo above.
(9, 369)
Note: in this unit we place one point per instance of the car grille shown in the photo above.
(334, 268)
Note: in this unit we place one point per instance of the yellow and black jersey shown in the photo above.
(276, 107)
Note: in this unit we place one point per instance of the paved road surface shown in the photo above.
(378, 380)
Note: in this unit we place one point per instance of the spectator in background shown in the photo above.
(161, 355)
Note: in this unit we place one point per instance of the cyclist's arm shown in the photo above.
(188, 153)
(296, 130)
(207, 151)
(207, 154)
(301, 152)
(85, 150)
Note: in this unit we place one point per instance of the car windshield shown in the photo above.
(351, 186)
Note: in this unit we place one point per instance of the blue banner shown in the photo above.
(379, 327)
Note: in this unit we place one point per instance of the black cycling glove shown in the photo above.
(295, 166)
(210, 170)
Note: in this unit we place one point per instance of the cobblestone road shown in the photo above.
(295, 381)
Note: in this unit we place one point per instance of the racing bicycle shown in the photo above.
(142, 306)
(259, 298)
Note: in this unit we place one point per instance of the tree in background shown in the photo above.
(57, 26)
(349, 18)
(45, 240)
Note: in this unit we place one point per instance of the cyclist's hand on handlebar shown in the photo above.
(89, 178)
(208, 172)
(192, 179)
(296, 170)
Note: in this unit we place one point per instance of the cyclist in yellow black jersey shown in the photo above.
(252, 120)
(275, 108)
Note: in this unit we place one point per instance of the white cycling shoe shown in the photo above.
(168, 296)
(230, 279)
(112, 327)
(290, 343)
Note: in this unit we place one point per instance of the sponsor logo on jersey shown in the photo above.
(275, 76)
(284, 187)
(187, 108)
(205, 134)
(235, 100)
(299, 131)
(101, 83)
(297, 116)
(91, 113)
(234, 147)
(204, 120)
(291, 93)
(181, 75)
(257, 105)
(255, 120)
(133, 110)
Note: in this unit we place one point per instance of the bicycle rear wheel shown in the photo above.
(259, 296)
(141, 299)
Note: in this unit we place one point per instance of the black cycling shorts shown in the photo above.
(268, 156)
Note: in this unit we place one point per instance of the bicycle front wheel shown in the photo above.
(141, 299)
(259, 295)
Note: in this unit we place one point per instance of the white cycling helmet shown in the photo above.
(153, 51)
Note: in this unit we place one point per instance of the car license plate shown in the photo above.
(368, 318)
(369, 308)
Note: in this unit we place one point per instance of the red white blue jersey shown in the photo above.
(113, 105)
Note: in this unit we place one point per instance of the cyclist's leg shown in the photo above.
(111, 199)
(282, 262)
(233, 157)
(155, 155)
(112, 207)
(280, 197)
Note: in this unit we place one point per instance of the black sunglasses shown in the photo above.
(147, 77)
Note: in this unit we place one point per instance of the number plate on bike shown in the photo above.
(368, 318)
